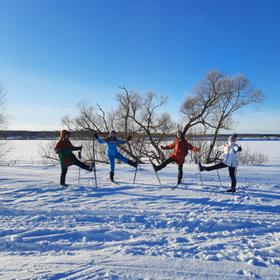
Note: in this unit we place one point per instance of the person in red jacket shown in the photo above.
(64, 150)
(180, 149)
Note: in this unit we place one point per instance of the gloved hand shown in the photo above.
(95, 135)
(80, 147)
(239, 149)
(128, 138)
(162, 147)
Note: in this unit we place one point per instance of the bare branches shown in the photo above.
(197, 107)
(140, 115)
(3, 116)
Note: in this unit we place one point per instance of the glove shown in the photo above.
(80, 148)
(239, 149)
(162, 147)
(95, 135)
(129, 138)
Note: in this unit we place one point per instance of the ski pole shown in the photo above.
(140, 152)
(155, 172)
(93, 162)
(197, 159)
(219, 179)
(80, 157)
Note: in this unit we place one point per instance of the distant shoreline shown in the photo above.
(82, 135)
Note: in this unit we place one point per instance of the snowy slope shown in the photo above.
(142, 230)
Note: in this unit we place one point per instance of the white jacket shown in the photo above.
(231, 154)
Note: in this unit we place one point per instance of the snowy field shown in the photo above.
(141, 230)
(29, 150)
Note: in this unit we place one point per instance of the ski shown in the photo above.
(155, 171)
(173, 188)
(115, 183)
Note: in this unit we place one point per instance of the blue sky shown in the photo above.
(54, 53)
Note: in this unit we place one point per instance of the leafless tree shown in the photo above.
(3, 115)
(214, 102)
(197, 107)
(4, 148)
(141, 113)
(236, 93)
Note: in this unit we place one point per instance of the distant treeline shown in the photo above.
(85, 135)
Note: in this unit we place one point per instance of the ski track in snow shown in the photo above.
(141, 230)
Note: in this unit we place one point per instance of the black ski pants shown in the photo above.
(168, 161)
(65, 169)
(231, 170)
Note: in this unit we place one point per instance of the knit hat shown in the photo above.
(63, 133)
(112, 133)
(180, 133)
(232, 138)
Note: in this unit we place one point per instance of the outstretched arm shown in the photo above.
(192, 148)
(120, 142)
(237, 148)
(168, 147)
(100, 139)
(66, 145)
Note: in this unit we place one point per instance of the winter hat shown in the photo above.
(180, 133)
(63, 133)
(112, 133)
(232, 138)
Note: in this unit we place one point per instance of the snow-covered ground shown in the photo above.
(141, 230)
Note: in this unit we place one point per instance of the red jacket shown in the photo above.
(181, 147)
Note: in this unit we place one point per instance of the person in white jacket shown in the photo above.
(230, 160)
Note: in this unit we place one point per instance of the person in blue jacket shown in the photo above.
(112, 152)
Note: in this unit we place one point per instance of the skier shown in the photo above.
(231, 150)
(64, 150)
(112, 152)
(181, 147)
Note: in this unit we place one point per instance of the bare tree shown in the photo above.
(4, 149)
(197, 107)
(90, 120)
(213, 103)
(3, 116)
(235, 93)
(141, 112)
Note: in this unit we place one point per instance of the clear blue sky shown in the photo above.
(53, 53)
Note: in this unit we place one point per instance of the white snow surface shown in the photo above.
(141, 230)
(29, 150)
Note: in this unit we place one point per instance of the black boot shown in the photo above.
(233, 182)
(62, 177)
(180, 175)
(132, 163)
(155, 167)
(201, 168)
(231, 190)
(112, 176)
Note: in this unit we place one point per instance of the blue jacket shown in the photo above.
(111, 145)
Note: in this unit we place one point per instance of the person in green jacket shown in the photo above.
(64, 150)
